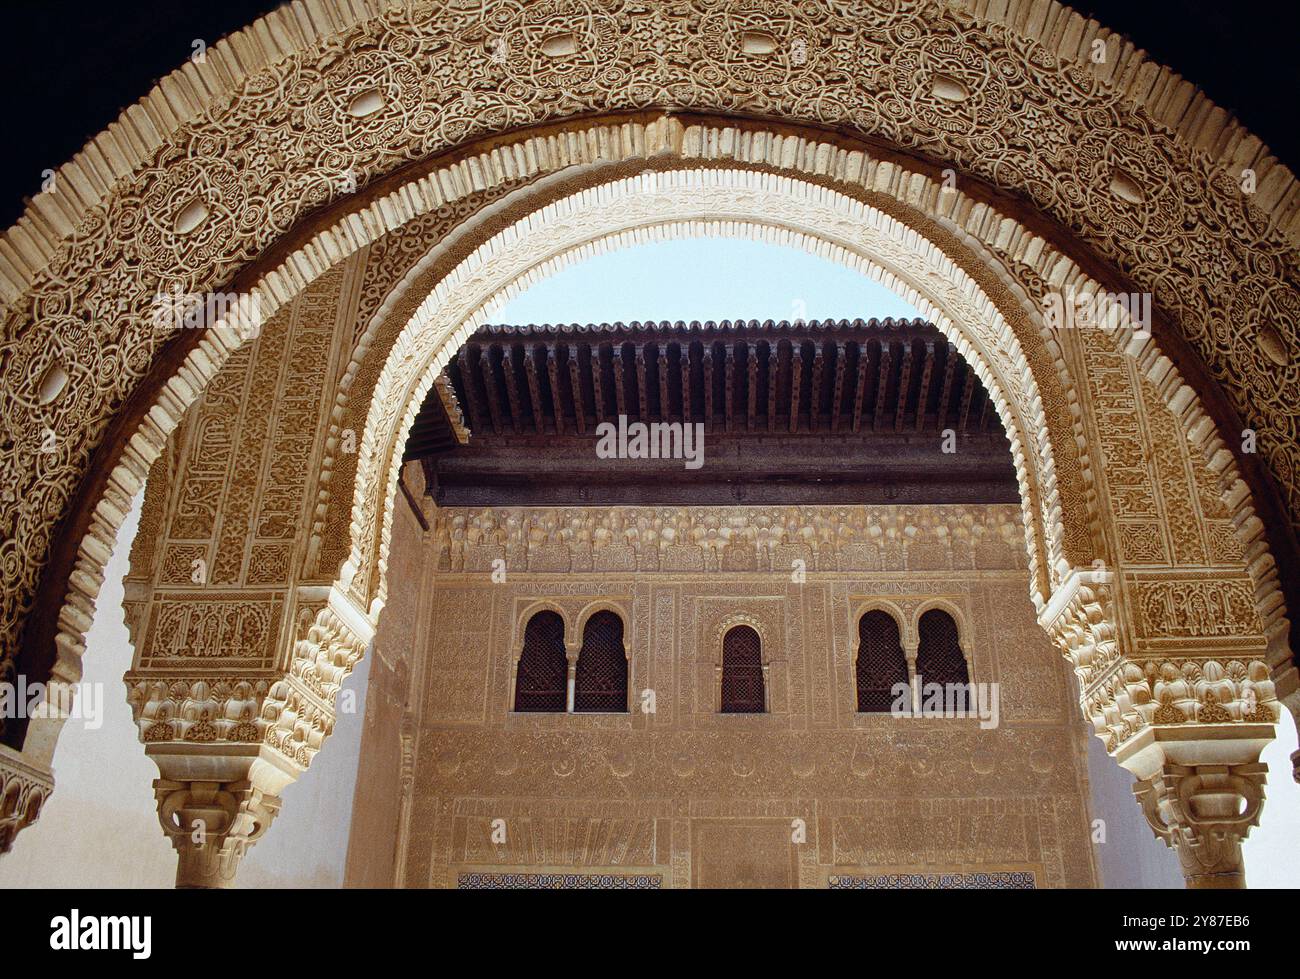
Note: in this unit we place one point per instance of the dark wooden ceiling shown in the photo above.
(817, 412)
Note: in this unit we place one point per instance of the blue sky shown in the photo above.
(703, 279)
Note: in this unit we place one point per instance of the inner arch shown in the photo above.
(714, 202)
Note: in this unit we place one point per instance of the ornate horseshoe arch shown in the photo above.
(213, 181)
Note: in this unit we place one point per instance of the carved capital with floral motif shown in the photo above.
(23, 790)
(214, 806)
(1204, 812)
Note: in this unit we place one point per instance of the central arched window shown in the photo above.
(600, 682)
(543, 678)
(742, 672)
(939, 658)
(881, 663)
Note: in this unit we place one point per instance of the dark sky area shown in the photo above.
(72, 66)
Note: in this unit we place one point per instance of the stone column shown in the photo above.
(406, 779)
(225, 750)
(911, 647)
(1188, 716)
(571, 651)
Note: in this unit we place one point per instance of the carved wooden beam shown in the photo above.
(535, 387)
(967, 392)
(860, 391)
(597, 384)
(512, 389)
(904, 380)
(557, 403)
(837, 392)
(490, 387)
(815, 399)
(708, 386)
(886, 355)
(620, 378)
(945, 395)
(923, 396)
(751, 366)
(773, 373)
(575, 383)
(796, 381)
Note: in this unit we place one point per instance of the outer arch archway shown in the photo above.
(1063, 33)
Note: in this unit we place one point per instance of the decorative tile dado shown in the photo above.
(998, 880)
(559, 882)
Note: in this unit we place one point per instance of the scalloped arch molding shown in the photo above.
(220, 175)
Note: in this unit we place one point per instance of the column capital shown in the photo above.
(1204, 812)
(24, 788)
(213, 807)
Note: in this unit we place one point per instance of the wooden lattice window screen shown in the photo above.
(600, 681)
(881, 663)
(543, 678)
(939, 657)
(742, 672)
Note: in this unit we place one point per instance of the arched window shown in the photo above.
(742, 672)
(881, 663)
(600, 683)
(939, 657)
(543, 679)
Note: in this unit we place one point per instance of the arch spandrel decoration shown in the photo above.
(160, 160)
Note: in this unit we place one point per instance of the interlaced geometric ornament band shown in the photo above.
(600, 683)
(881, 663)
(543, 680)
(742, 672)
(939, 658)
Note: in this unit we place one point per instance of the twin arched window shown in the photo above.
(742, 672)
(599, 676)
(881, 663)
